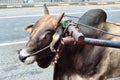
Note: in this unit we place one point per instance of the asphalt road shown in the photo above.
(13, 37)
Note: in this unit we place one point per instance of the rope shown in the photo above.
(97, 29)
(87, 26)
(72, 16)
(37, 52)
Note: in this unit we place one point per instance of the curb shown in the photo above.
(54, 4)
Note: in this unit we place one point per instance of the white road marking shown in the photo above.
(12, 43)
(23, 16)
(19, 16)
(20, 42)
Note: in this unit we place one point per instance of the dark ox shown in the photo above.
(85, 62)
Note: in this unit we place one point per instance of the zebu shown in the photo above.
(76, 62)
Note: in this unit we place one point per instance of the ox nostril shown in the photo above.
(19, 51)
(22, 58)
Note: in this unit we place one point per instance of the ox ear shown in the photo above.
(29, 28)
(46, 11)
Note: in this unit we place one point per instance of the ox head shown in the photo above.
(41, 36)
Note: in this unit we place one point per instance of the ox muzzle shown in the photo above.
(26, 57)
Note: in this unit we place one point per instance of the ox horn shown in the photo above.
(46, 11)
(60, 18)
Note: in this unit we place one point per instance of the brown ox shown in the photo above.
(77, 62)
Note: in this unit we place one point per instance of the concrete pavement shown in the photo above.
(12, 69)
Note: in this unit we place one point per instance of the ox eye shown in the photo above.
(46, 35)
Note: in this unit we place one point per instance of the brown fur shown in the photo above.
(78, 62)
(47, 20)
(88, 62)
